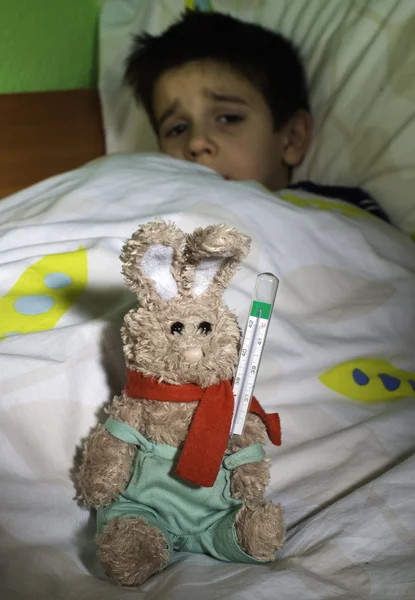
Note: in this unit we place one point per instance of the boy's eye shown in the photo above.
(230, 119)
(177, 130)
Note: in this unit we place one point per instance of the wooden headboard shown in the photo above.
(46, 133)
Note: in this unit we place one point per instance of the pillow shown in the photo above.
(360, 59)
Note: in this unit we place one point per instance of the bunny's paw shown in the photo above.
(260, 530)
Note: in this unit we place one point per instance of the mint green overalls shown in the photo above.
(191, 517)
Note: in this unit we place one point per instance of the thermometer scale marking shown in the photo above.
(250, 357)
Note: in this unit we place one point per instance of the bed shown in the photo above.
(339, 364)
(46, 133)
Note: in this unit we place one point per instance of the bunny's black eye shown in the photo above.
(205, 327)
(177, 327)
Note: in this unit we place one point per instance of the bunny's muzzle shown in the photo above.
(193, 355)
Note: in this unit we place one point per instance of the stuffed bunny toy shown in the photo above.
(163, 472)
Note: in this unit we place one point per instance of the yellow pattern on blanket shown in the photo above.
(370, 380)
(321, 204)
(43, 293)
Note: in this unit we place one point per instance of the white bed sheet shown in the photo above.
(346, 470)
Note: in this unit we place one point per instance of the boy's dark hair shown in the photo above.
(266, 59)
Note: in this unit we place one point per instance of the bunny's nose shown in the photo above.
(193, 355)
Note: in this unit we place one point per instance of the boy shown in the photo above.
(231, 96)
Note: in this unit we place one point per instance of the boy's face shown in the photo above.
(208, 114)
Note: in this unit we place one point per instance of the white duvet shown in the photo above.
(339, 367)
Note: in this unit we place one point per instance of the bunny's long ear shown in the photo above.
(153, 261)
(212, 256)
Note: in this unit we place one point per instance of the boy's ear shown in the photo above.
(296, 138)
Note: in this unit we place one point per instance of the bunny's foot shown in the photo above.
(260, 530)
(131, 550)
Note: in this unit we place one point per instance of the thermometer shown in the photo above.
(252, 347)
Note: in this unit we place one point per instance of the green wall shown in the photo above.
(48, 44)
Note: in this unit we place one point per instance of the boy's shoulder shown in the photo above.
(353, 195)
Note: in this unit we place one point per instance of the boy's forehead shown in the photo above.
(213, 81)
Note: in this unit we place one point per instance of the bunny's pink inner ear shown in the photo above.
(156, 265)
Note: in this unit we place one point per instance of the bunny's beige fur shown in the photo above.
(179, 278)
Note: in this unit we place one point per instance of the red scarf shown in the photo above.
(208, 436)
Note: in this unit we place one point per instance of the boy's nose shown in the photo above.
(200, 146)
